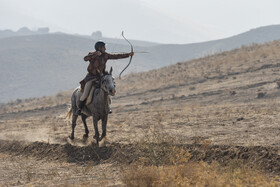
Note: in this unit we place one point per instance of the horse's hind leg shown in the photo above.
(74, 119)
(74, 109)
(84, 117)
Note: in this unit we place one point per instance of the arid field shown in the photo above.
(212, 121)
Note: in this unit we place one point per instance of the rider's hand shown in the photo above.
(131, 54)
(98, 53)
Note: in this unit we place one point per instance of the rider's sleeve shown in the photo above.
(117, 56)
(90, 56)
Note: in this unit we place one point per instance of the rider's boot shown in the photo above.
(80, 107)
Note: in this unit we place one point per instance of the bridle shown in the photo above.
(102, 85)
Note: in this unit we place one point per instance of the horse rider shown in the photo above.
(97, 65)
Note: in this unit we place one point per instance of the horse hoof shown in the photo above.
(71, 137)
(96, 137)
(101, 138)
(85, 136)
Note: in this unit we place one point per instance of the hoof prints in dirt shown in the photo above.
(266, 158)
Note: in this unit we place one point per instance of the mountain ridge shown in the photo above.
(40, 65)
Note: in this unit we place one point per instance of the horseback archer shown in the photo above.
(96, 68)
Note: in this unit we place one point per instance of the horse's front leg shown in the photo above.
(104, 126)
(74, 119)
(96, 136)
(84, 117)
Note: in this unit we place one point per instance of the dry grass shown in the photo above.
(196, 174)
(170, 165)
(183, 172)
(244, 59)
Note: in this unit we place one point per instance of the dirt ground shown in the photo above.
(219, 118)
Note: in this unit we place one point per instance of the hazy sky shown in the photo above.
(164, 21)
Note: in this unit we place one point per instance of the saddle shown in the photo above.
(96, 84)
(90, 96)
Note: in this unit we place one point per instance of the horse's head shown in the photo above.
(108, 83)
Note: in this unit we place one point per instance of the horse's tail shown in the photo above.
(69, 114)
(72, 106)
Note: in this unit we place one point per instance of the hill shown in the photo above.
(24, 31)
(211, 113)
(40, 65)
(171, 54)
(240, 84)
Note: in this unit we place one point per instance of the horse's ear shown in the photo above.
(111, 70)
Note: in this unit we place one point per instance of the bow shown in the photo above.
(130, 56)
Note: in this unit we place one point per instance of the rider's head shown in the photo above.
(100, 46)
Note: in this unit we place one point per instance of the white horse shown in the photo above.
(98, 108)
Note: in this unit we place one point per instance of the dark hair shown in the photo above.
(98, 45)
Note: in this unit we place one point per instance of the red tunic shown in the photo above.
(97, 64)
